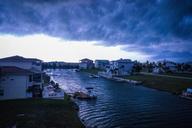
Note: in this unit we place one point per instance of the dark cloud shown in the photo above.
(174, 56)
(143, 25)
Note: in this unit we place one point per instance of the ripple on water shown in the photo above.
(121, 105)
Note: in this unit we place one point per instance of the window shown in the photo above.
(37, 63)
(1, 92)
(30, 78)
(37, 77)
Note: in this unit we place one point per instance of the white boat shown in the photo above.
(93, 76)
(85, 95)
(51, 93)
(77, 70)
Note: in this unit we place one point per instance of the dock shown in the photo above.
(119, 79)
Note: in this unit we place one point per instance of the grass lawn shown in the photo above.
(38, 113)
(173, 85)
(179, 74)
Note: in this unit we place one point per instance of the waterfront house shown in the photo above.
(158, 70)
(187, 66)
(86, 64)
(21, 62)
(120, 67)
(101, 64)
(31, 64)
(18, 83)
(17, 69)
(170, 66)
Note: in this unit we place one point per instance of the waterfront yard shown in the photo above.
(179, 74)
(164, 83)
(173, 85)
(38, 113)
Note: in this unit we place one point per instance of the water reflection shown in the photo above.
(123, 105)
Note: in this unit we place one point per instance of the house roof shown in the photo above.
(166, 61)
(13, 70)
(124, 60)
(18, 59)
(86, 59)
(101, 60)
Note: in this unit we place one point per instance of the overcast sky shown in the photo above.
(69, 30)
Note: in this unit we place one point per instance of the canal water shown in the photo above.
(121, 105)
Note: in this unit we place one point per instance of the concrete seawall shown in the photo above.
(118, 79)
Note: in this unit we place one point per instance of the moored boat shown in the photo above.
(93, 76)
(187, 94)
(83, 96)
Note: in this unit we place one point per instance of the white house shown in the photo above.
(17, 83)
(158, 70)
(189, 90)
(171, 66)
(101, 64)
(21, 62)
(86, 64)
(120, 67)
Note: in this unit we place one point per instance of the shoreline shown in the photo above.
(171, 85)
(167, 84)
(76, 108)
(68, 98)
(74, 105)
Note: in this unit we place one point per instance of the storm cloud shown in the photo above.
(161, 28)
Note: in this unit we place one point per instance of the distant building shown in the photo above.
(21, 62)
(18, 83)
(158, 70)
(189, 90)
(170, 66)
(101, 64)
(189, 63)
(86, 64)
(60, 65)
(120, 67)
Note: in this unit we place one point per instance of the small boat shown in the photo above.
(77, 70)
(187, 94)
(93, 76)
(83, 96)
(89, 88)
